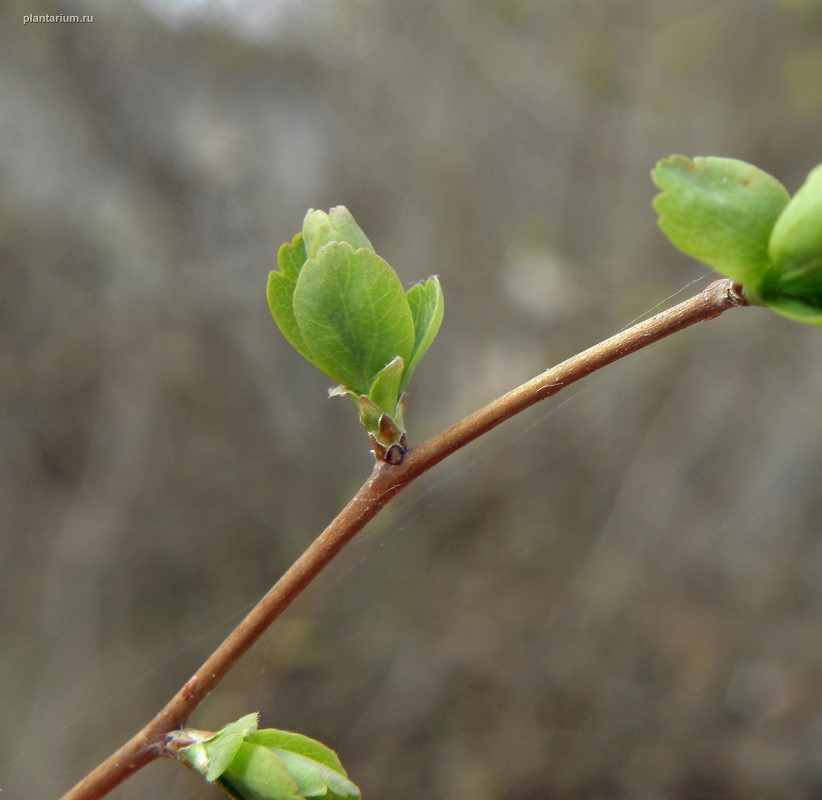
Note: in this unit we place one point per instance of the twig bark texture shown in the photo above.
(385, 481)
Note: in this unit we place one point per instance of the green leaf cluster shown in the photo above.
(269, 764)
(744, 224)
(344, 309)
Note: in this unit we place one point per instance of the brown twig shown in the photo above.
(385, 481)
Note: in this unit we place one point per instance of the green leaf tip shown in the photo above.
(344, 309)
(268, 764)
(742, 222)
(337, 225)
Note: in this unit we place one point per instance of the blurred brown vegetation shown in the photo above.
(618, 595)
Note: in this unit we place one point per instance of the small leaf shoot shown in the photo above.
(343, 308)
(744, 224)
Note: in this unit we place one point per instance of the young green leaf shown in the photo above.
(427, 305)
(794, 285)
(315, 767)
(315, 780)
(721, 211)
(352, 313)
(223, 746)
(297, 743)
(320, 229)
(385, 390)
(211, 753)
(280, 293)
(257, 773)
(795, 308)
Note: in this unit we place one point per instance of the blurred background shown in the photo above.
(616, 595)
